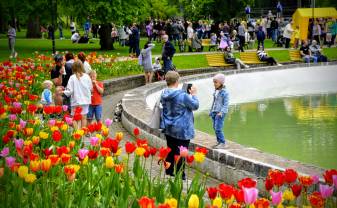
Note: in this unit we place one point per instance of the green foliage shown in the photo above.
(118, 69)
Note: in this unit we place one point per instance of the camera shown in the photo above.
(186, 87)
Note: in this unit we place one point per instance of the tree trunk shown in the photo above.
(105, 37)
(33, 27)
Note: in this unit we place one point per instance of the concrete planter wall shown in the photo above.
(229, 165)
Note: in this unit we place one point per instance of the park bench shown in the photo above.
(207, 43)
(250, 58)
(295, 55)
(216, 60)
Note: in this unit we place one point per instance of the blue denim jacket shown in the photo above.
(177, 117)
(220, 102)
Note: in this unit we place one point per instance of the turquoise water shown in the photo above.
(298, 128)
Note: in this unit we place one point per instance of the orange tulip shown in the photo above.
(45, 165)
(119, 168)
(34, 165)
(65, 158)
(54, 159)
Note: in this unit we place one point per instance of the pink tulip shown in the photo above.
(276, 197)
(17, 85)
(22, 123)
(326, 190)
(94, 141)
(315, 179)
(4, 152)
(334, 179)
(18, 143)
(250, 195)
(16, 105)
(10, 161)
(183, 151)
(69, 120)
(12, 117)
(51, 122)
(82, 153)
(108, 122)
(64, 108)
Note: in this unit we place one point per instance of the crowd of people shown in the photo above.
(76, 87)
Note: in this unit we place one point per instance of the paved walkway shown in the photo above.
(109, 103)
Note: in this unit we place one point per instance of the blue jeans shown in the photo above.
(167, 64)
(95, 110)
(308, 58)
(218, 124)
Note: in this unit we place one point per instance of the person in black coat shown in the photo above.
(167, 54)
(134, 40)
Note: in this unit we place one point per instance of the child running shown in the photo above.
(95, 109)
(219, 110)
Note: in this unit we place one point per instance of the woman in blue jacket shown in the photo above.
(177, 117)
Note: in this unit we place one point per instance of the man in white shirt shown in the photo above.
(288, 30)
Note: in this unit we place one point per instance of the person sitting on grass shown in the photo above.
(306, 53)
(230, 59)
(75, 37)
(317, 52)
(263, 56)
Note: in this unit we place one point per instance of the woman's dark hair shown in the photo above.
(81, 56)
(147, 44)
(69, 56)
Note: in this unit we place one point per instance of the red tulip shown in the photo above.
(189, 159)
(202, 150)
(153, 151)
(247, 183)
(277, 176)
(290, 176)
(57, 136)
(136, 131)
(146, 202)
(92, 154)
(269, 184)
(306, 180)
(328, 176)
(297, 189)
(212, 192)
(130, 147)
(163, 152)
(316, 200)
(226, 191)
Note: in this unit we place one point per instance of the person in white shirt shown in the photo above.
(287, 33)
(75, 37)
(86, 65)
(79, 89)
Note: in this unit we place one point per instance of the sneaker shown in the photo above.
(279, 65)
(221, 146)
(15, 55)
(216, 145)
(247, 67)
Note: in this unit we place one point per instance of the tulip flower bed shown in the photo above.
(45, 163)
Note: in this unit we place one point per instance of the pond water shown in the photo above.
(299, 128)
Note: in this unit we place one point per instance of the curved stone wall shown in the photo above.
(231, 164)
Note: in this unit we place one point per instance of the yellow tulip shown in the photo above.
(23, 171)
(54, 128)
(119, 136)
(172, 202)
(64, 127)
(43, 135)
(99, 136)
(85, 160)
(3, 116)
(288, 195)
(30, 178)
(193, 202)
(231, 200)
(140, 151)
(119, 152)
(109, 162)
(217, 202)
(199, 157)
(27, 142)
